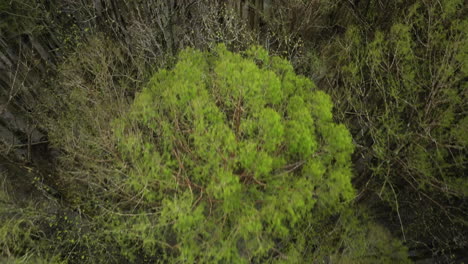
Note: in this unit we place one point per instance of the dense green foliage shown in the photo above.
(193, 131)
(238, 157)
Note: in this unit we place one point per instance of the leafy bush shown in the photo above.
(400, 87)
(23, 238)
(236, 153)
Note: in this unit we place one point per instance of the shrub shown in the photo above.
(400, 87)
(236, 152)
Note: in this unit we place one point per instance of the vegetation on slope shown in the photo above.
(251, 163)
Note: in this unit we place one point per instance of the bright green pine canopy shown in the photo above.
(239, 153)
